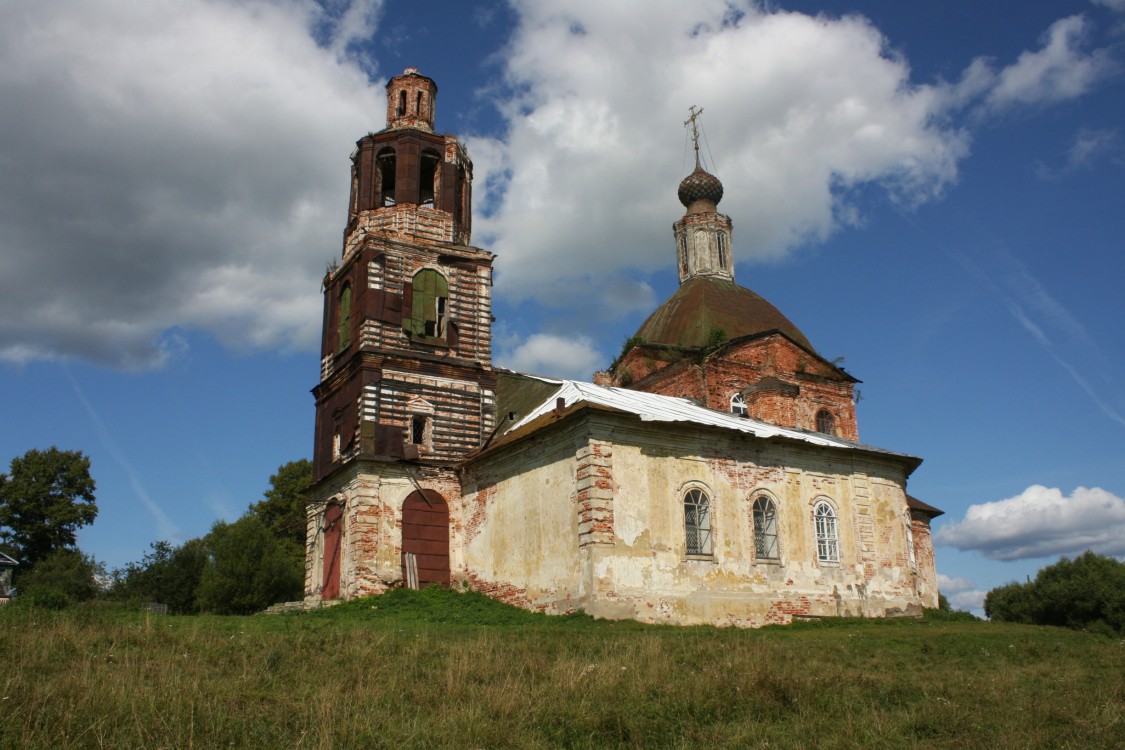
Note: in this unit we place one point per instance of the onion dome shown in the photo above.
(705, 304)
(700, 185)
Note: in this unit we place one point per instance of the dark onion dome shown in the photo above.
(706, 303)
(700, 185)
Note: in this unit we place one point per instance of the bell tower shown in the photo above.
(406, 381)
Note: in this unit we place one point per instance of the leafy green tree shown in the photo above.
(66, 573)
(44, 499)
(1086, 592)
(248, 568)
(167, 574)
(283, 509)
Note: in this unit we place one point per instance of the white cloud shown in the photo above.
(1115, 5)
(1060, 70)
(554, 356)
(962, 593)
(1041, 522)
(172, 164)
(799, 110)
(1090, 145)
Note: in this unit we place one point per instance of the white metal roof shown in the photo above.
(651, 407)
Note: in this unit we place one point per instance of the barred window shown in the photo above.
(825, 422)
(765, 529)
(697, 522)
(827, 543)
(738, 405)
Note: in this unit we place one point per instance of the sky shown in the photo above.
(933, 191)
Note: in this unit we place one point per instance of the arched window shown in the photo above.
(765, 529)
(344, 319)
(385, 177)
(401, 104)
(418, 105)
(722, 243)
(827, 543)
(429, 303)
(427, 178)
(825, 422)
(738, 405)
(697, 522)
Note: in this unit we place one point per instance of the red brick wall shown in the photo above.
(713, 379)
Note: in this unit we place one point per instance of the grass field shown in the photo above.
(437, 669)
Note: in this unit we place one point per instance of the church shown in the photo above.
(712, 475)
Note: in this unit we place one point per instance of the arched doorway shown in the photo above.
(425, 539)
(333, 526)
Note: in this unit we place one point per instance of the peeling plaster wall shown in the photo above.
(372, 494)
(521, 521)
(588, 513)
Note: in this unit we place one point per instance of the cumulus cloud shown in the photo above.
(1041, 522)
(556, 356)
(961, 592)
(1061, 70)
(172, 165)
(1115, 5)
(799, 110)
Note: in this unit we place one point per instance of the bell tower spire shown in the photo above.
(703, 235)
(408, 180)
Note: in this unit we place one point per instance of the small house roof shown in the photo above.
(8, 560)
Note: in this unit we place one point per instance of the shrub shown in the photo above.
(67, 573)
(169, 575)
(1085, 593)
(248, 569)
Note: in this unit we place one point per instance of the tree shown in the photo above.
(248, 568)
(44, 499)
(283, 510)
(167, 574)
(1086, 592)
(66, 576)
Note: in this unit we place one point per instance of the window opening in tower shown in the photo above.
(427, 179)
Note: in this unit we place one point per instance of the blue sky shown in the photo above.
(935, 192)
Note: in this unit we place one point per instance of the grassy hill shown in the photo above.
(438, 669)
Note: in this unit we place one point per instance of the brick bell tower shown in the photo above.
(406, 383)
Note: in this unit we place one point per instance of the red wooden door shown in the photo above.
(333, 525)
(425, 539)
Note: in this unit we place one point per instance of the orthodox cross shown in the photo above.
(692, 122)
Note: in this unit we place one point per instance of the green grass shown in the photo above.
(437, 669)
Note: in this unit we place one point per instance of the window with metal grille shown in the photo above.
(697, 522)
(738, 405)
(765, 529)
(825, 422)
(827, 543)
